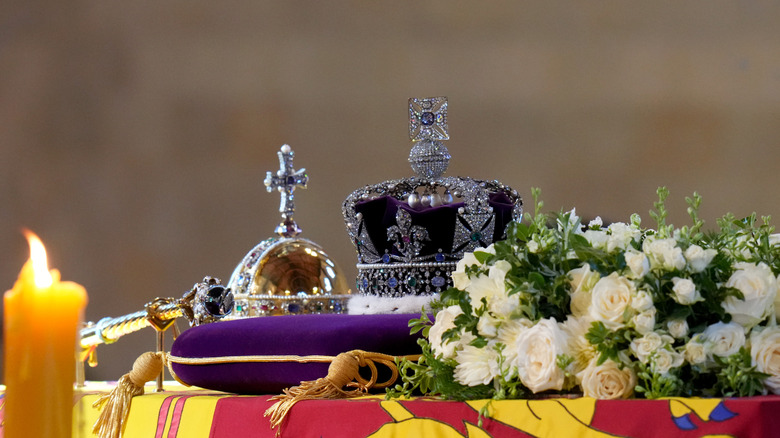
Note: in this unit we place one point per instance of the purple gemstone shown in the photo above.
(427, 118)
(406, 239)
(438, 281)
(294, 308)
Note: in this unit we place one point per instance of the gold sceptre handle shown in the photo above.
(207, 301)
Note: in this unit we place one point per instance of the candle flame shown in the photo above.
(40, 265)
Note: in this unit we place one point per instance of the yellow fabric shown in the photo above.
(190, 412)
(195, 421)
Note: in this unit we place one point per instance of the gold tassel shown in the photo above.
(342, 372)
(110, 423)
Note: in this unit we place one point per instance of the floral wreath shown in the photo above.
(610, 312)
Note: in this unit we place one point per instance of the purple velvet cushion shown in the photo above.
(299, 335)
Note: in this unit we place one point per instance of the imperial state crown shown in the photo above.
(410, 233)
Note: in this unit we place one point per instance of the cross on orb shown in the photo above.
(286, 180)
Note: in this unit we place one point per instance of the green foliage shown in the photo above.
(609, 343)
(737, 376)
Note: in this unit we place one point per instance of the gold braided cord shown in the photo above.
(248, 359)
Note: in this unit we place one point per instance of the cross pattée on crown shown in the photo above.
(286, 180)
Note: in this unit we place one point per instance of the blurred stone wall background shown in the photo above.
(134, 136)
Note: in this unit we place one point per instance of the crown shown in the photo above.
(410, 233)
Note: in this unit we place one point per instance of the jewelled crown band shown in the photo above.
(410, 233)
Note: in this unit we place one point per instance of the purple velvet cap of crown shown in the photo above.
(379, 214)
(298, 335)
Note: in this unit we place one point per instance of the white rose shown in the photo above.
(664, 254)
(597, 238)
(645, 346)
(678, 328)
(765, 354)
(642, 301)
(460, 280)
(637, 263)
(698, 258)
(695, 353)
(664, 360)
(685, 291)
(759, 286)
(723, 340)
(445, 320)
(476, 366)
(644, 322)
(621, 235)
(610, 298)
(538, 349)
(607, 381)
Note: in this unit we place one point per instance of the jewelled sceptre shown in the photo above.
(207, 301)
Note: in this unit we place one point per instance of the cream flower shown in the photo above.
(695, 352)
(663, 360)
(645, 346)
(685, 291)
(610, 298)
(582, 281)
(538, 349)
(491, 285)
(664, 254)
(644, 322)
(765, 354)
(637, 263)
(759, 286)
(487, 325)
(621, 235)
(476, 366)
(597, 238)
(678, 328)
(508, 334)
(445, 320)
(723, 339)
(607, 381)
(460, 280)
(699, 258)
(642, 301)
(578, 347)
